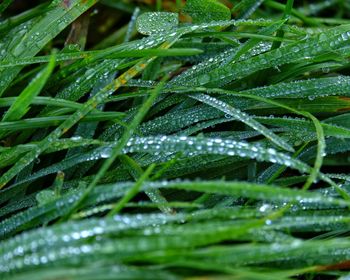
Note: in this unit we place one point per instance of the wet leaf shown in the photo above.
(207, 10)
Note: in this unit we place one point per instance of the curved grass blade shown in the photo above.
(243, 117)
(321, 147)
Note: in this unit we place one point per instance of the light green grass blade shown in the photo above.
(21, 105)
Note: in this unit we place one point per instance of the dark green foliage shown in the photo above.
(171, 140)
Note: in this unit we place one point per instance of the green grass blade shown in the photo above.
(241, 116)
(21, 105)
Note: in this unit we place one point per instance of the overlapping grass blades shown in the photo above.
(198, 147)
(34, 35)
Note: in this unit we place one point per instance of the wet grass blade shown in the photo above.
(241, 116)
(21, 105)
(59, 16)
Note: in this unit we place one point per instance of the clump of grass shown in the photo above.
(174, 140)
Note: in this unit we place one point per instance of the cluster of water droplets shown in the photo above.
(203, 125)
(243, 117)
(306, 49)
(173, 122)
(254, 22)
(13, 37)
(311, 223)
(54, 21)
(202, 67)
(17, 205)
(11, 225)
(200, 71)
(58, 207)
(195, 146)
(85, 82)
(177, 120)
(23, 250)
(310, 88)
(156, 22)
(141, 83)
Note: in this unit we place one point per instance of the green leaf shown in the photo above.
(207, 10)
(156, 22)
